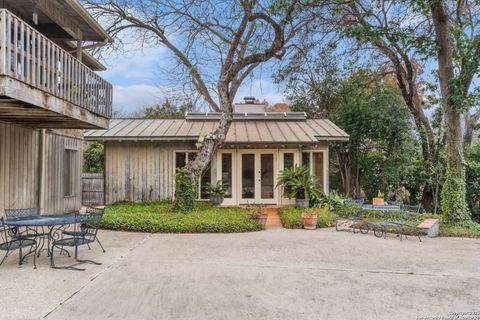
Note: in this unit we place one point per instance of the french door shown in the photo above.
(258, 170)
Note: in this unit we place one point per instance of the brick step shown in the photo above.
(273, 218)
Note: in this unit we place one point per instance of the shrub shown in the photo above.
(453, 203)
(292, 217)
(185, 192)
(161, 217)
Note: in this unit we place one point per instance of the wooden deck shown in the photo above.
(41, 84)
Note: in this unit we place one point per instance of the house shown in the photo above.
(49, 93)
(141, 155)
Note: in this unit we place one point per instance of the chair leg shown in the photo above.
(4, 258)
(103, 249)
(20, 257)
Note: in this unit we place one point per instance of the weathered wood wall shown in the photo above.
(93, 189)
(141, 171)
(20, 170)
(54, 200)
(19, 151)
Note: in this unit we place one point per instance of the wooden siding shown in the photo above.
(19, 151)
(141, 171)
(54, 200)
(20, 170)
(93, 189)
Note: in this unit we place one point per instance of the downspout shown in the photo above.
(41, 180)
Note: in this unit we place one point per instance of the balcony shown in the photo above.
(44, 86)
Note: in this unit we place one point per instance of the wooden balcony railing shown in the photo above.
(30, 57)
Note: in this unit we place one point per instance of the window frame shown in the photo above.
(73, 167)
(310, 164)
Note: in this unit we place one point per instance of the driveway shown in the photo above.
(274, 274)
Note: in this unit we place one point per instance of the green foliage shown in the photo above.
(216, 189)
(297, 183)
(185, 191)
(167, 110)
(332, 201)
(292, 217)
(472, 173)
(453, 203)
(93, 157)
(160, 217)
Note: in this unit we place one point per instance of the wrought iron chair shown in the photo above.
(10, 243)
(389, 220)
(409, 220)
(353, 219)
(90, 223)
(84, 227)
(29, 232)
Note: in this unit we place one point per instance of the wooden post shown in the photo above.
(3, 41)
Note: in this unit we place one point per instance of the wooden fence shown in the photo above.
(93, 189)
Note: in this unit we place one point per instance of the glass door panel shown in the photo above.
(227, 177)
(248, 176)
(267, 176)
(318, 168)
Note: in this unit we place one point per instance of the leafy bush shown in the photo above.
(297, 183)
(160, 217)
(93, 158)
(453, 204)
(185, 192)
(292, 217)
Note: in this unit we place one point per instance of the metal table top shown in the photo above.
(381, 208)
(44, 220)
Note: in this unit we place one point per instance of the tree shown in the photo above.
(166, 110)
(93, 158)
(455, 85)
(216, 44)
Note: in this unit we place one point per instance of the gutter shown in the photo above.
(41, 164)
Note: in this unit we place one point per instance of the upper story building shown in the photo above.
(47, 79)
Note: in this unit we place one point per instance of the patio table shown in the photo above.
(56, 224)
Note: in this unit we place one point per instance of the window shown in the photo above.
(314, 160)
(182, 158)
(288, 161)
(70, 170)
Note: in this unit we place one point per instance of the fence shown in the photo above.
(93, 189)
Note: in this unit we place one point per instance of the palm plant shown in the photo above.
(298, 184)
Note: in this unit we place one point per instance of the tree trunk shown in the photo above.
(453, 194)
(210, 145)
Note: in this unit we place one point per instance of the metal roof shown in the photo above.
(307, 131)
(248, 116)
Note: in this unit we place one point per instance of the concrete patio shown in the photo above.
(274, 274)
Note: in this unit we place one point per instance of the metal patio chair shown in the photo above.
(84, 227)
(350, 220)
(409, 220)
(390, 219)
(90, 223)
(29, 232)
(9, 243)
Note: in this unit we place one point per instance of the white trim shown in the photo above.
(281, 166)
(233, 200)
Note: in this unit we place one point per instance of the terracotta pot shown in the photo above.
(263, 220)
(378, 201)
(302, 203)
(216, 200)
(310, 221)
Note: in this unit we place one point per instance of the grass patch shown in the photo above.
(292, 217)
(471, 230)
(160, 217)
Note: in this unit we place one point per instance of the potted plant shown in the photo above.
(298, 184)
(216, 191)
(310, 218)
(379, 199)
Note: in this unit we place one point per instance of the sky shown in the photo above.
(137, 80)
